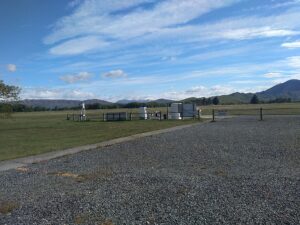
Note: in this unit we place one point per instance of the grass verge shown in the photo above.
(28, 134)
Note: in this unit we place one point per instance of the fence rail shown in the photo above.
(129, 116)
(261, 112)
(213, 114)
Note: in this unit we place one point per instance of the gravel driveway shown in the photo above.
(234, 171)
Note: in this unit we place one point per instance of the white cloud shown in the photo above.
(97, 19)
(82, 76)
(199, 91)
(295, 44)
(245, 82)
(115, 74)
(79, 45)
(293, 61)
(286, 78)
(11, 68)
(55, 93)
(273, 75)
(92, 16)
(249, 33)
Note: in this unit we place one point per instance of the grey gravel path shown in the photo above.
(234, 171)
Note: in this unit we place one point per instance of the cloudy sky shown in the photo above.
(138, 49)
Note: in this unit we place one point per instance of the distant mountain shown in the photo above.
(288, 89)
(127, 101)
(235, 98)
(54, 103)
(96, 101)
(160, 101)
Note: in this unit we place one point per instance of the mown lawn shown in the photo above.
(34, 133)
(38, 132)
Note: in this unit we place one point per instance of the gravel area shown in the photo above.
(234, 171)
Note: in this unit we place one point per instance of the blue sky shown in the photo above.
(147, 49)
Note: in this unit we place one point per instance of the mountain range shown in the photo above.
(61, 103)
(289, 89)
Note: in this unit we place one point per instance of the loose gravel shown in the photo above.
(234, 171)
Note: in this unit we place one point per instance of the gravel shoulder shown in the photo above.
(234, 171)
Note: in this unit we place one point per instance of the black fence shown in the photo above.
(260, 113)
(130, 116)
(206, 114)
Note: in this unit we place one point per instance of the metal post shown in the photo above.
(103, 116)
(261, 114)
(167, 111)
(213, 115)
(199, 116)
(194, 115)
(130, 116)
(160, 115)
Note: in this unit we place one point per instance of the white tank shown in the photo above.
(175, 116)
(143, 113)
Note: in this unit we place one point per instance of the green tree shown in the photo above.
(216, 101)
(254, 100)
(8, 93)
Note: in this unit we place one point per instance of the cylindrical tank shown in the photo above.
(175, 111)
(143, 113)
(175, 116)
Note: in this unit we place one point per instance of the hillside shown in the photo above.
(159, 101)
(53, 103)
(235, 98)
(289, 89)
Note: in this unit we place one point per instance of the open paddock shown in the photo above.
(39, 132)
(235, 171)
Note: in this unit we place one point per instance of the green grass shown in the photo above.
(39, 132)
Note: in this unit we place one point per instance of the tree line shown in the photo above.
(255, 100)
(9, 95)
(8, 107)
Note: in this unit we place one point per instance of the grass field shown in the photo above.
(39, 132)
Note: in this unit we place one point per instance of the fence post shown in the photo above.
(213, 115)
(73, 117)
(160, 115)
(167, 111)
(199, 115)
(261, 114)
(130, 116)
(103, 117)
